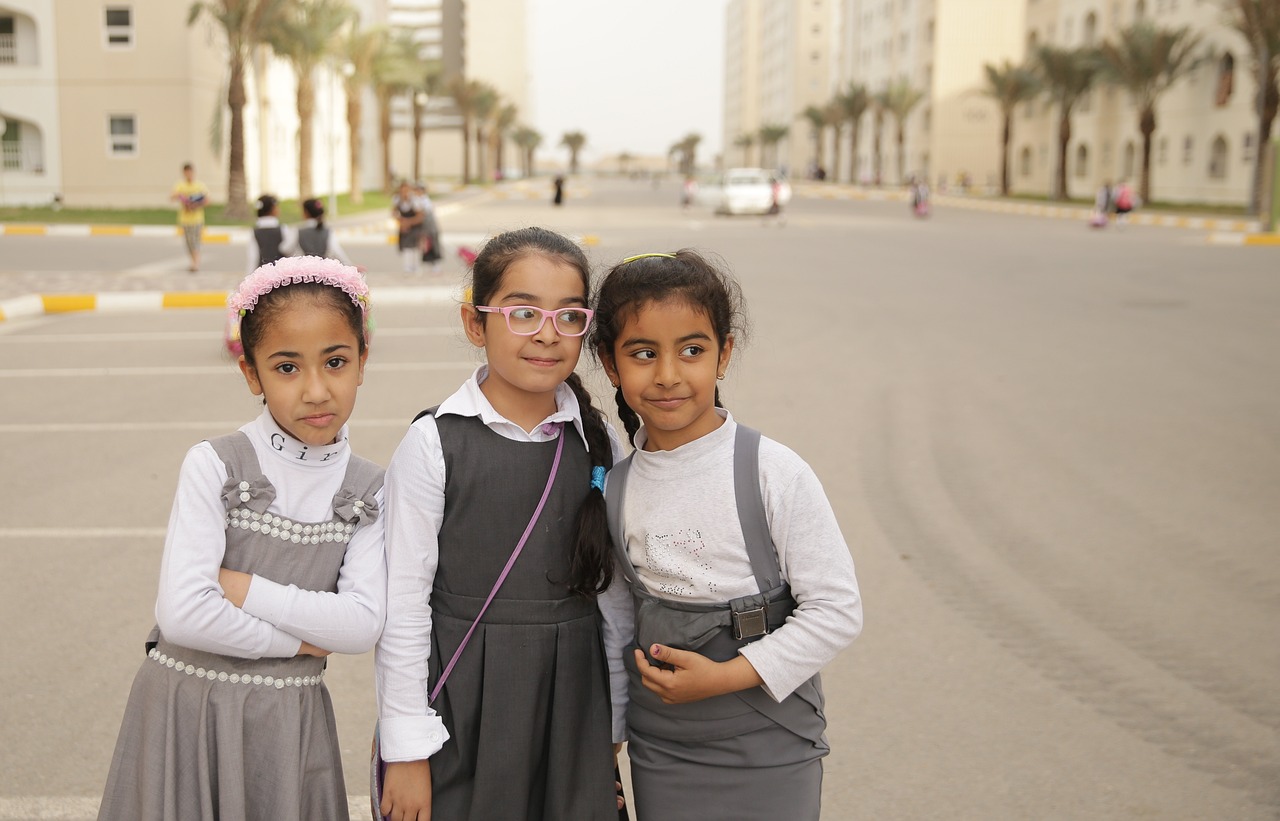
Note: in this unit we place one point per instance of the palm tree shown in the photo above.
(306, 33)
(1146, 61)
(241, 21)
(464, 93)
(394, 69)
(360, 51)
(879, 105)
(817, 118)
(899, 99)
(745, 142)
(1009, 86)
(425, 84)
(503, 121)
(527, 139)
(770, 135)
(1259, 22)
(573, 140)
(854, 102)
(483, 105)
(1066, 75)
(687, 149)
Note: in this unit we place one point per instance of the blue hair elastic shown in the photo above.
(597, 478)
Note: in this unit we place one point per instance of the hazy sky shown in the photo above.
(633, 75)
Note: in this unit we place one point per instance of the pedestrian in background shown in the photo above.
(558, 197)
(273, 560)
(1125, 202)
(269, 240)
(431, 252)
(409, 216)
(192, 196)
(317, 239)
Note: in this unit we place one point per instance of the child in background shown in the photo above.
(520, 727)
(273, 560)
(431, 252)
(744, 585)
(269, 241)
(317, 239)
(409, 216)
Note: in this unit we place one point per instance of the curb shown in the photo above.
(136, 301)
(1256, 239)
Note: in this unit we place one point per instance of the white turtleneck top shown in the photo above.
(276, 618)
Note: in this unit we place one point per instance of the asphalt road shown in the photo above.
(1055, 454)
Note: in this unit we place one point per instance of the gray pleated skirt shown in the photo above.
(213, 738)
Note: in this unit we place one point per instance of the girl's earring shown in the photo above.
(720, 376)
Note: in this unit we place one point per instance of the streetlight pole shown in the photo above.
(333, 142)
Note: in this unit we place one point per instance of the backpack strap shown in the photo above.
(617, 488)
(431, 411)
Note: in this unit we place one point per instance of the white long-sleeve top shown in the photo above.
(276, 618)
(685, 541)
(409, 728)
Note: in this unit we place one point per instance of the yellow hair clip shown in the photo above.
(642, 256)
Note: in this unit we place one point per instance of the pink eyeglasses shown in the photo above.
(527, 320)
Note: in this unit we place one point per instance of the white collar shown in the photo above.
(267, 222)
(469, 400)
(708, 441)
(277, 440)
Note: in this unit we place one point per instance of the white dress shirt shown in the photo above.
(409, 728)
(276, 618)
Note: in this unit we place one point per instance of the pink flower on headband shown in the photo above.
(292, 270)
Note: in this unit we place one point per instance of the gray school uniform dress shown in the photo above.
(527, 706)
(207, 736)
(742, 750)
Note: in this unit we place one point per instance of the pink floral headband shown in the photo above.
(293, 270)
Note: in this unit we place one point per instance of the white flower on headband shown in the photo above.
(293, 270)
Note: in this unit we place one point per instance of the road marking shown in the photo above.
(152, 427)
(202, 370)
(79, 808)
(197, 336)
(77, 533)
(161, 266)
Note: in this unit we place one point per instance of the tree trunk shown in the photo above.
(237, 202)
(1146, 125)
(835, 154)
(416, 108)
(854, 134)
(355, 144)
(384, 137)
(573, 161)
(819, 135)
(1005, 135)
(1064, 139)
(901, 139)
(1270, 102)
(306, 107)
(466, 150)
(482, 156)
(878, 157)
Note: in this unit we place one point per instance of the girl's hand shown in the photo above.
(308, 649)
(235, 585)
(693, 676)
(406, 791)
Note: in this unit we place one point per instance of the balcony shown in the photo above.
(21, 156)
(8, 49)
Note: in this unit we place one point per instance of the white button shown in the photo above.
(244, 496)
(222, 676)
(244, 485)
(279, 684)
(295, 538)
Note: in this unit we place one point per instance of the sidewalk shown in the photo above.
(979, 202)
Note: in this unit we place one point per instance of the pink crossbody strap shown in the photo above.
(502, 577)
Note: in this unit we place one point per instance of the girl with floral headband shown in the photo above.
(273, 560)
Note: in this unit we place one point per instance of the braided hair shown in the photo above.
(591, 555)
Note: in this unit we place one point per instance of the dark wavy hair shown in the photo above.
(253, 324)
(685, 276)
(591, 556)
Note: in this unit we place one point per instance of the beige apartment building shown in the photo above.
(779, 59)
(1206, 128)
(103, 101)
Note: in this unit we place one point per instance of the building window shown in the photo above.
(8, 42)
(1218, 159)
(1226, 80)
(1188, 150)
(122, 136)
(1090, 28)
(1139, 10)
(1246, 148)
(1163, 154)
(119, 26)
(1082, 161)
(1024, 162)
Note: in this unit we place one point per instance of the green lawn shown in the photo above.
(290, 211)
(1180, 208)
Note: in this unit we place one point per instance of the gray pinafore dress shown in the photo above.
(314, 240)
(527, 705)
(740, 755)
(208, 737)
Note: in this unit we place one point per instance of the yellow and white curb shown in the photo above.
(18, 229)
(1254, 239)
(142, 301)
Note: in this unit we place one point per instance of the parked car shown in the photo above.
(751, 191)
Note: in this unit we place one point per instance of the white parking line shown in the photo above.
(205, 370)
(182, 336)
(152, 427)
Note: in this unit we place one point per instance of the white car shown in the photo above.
(751, 191)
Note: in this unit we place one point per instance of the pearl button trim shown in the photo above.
(289, 531)
(234, 678)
